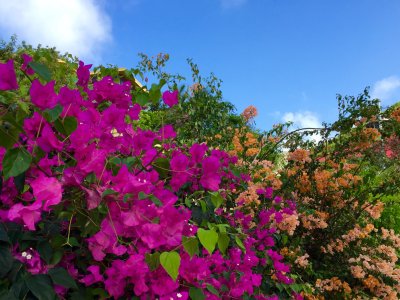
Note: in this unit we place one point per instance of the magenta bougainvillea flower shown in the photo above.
(43, 96)
(93, 277)
(47, 191)
(8, 78)
(167, 132)
(27, 59)
(170, 98)
(29, 214)
(211, 178)
(48, 141)
(198, 151)
(179, 164)
(83, 74)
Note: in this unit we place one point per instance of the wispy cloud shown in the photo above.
(80, 27)
(303, 119)
(387, 89)
(226, 4)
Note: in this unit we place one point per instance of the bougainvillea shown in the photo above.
(337, 244)
(94, 206)
(97, 203)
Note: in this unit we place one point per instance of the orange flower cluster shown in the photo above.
(263, 171)
(303, 183)
(331, 178)
(315, 221)
(364, 139)
(391, 236)
(380, 289)
(371, 283)
(357, 233)
(377, 264)
(300, 155)
(250, 196)
(322, 180)
(288, 224)
(302, 261)
(395, 115)
(333, 284)
(249, 112)
(285, 251)
(245, 143)
(374, 211)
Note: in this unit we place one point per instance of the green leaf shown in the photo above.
(171, 261)
(108, 192)
(153, 260)
(196, 294)
(161, 165)
(216, 199)
(41, 287)
(9, 134)
(156, 201)
(66, 126)
(154, 93)
(142, 99)
(70, 124)
(222, 227)
(57, 256)
(73, 242)
(3, 234)
(61, 277)
(208, 238)
(223, 242)
(212, 289)
(191, 245)
(161, 83)
(45, 251)
(6, 260)
(100, 293)
(52, 114)
(203, 205)
(19, 182)
(240, 244)
(41, 69)
(17, 291)
(285, 239)
(142, 196)
(15, 162)
(127, 197)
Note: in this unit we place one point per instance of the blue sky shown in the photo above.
(289, 58)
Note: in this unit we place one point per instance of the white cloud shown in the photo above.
(304, 119)
(232, 3)
(80, 27)
(387, 89)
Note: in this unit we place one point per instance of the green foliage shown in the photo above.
(15, 162)
(201, 114)
(171, 261)
(40, 286)
(208, 238)
(61, 277)
(191, 245)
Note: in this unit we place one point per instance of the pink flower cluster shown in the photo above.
(145, 215)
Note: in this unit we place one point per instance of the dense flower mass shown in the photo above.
(113, 190)
(126, 210)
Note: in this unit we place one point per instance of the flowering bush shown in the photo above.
(341, 187)
(93, 206)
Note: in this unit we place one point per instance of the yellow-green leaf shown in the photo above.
(171, 261)
(208, 238)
